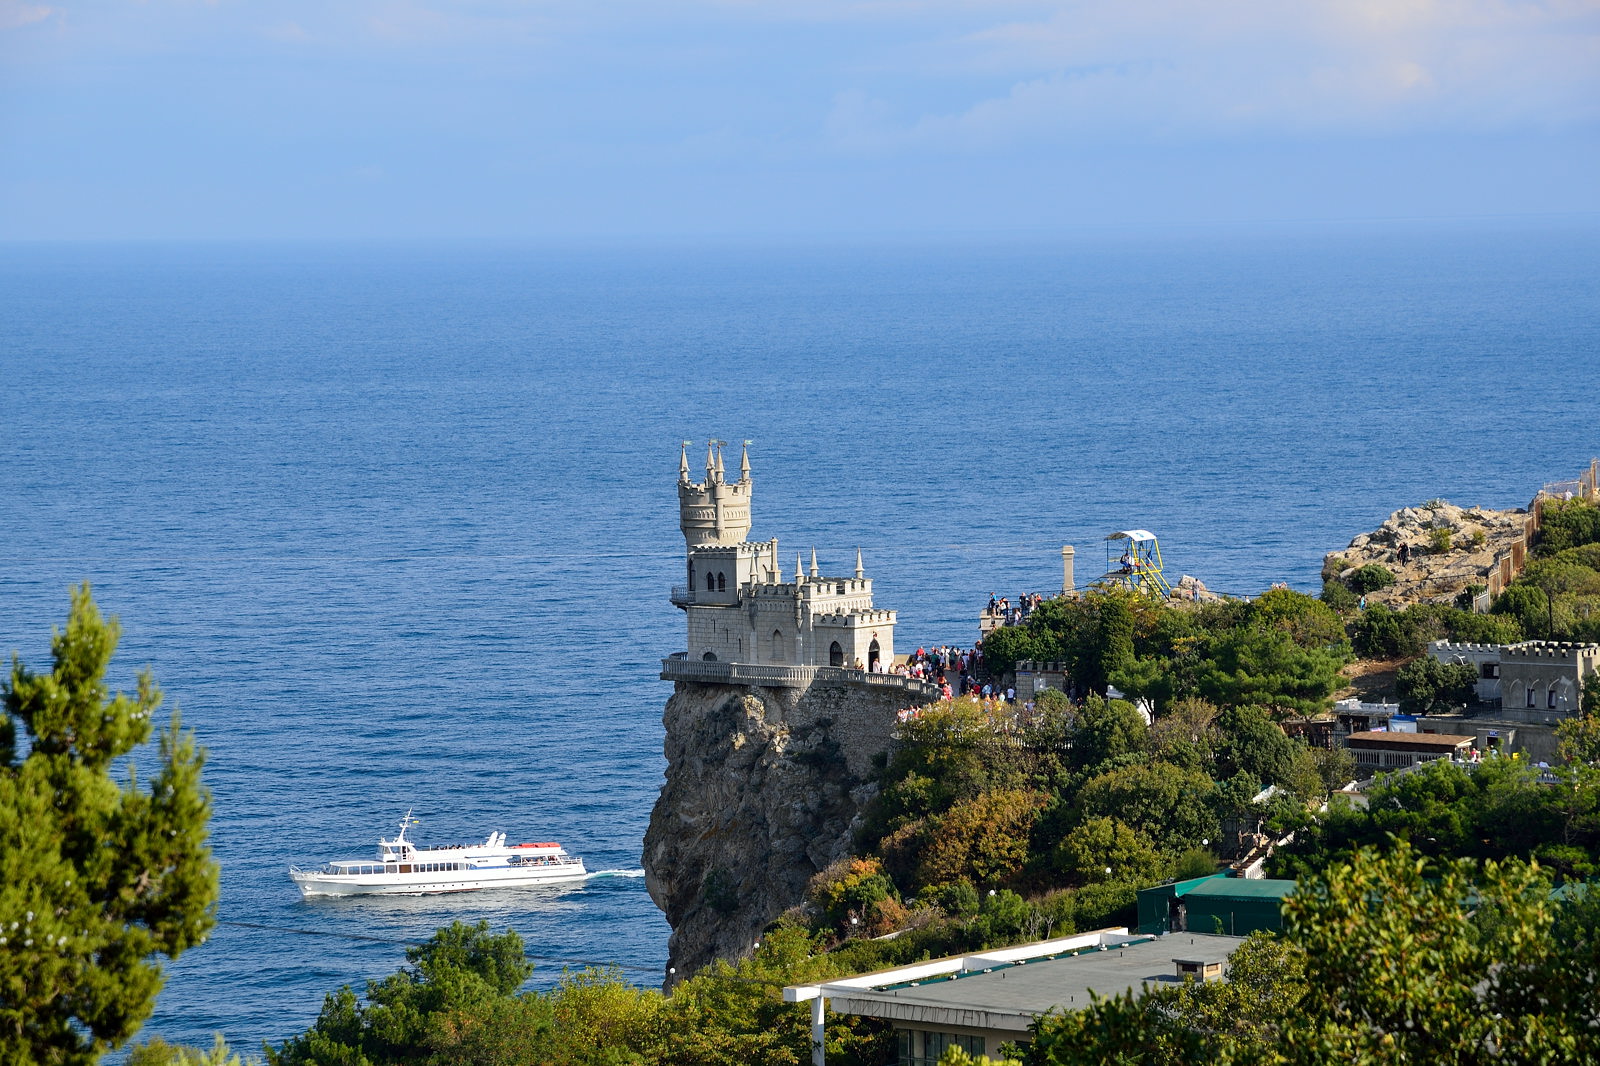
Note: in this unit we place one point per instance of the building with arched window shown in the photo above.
(739, 606)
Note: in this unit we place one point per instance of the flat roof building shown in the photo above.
(978, 1002)
(1380, 750)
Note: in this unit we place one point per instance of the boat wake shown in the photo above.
(616, 873)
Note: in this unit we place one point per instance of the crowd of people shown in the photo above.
(1000, 607)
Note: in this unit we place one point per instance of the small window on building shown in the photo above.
(722, 582)
(1533, 695)
(1490, 671)
(835, 654)
(711, 582)
(1550, 700)
(777, 645)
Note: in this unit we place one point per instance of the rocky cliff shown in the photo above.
(1447, 549)
(763, 788)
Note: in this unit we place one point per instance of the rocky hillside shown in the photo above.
(1446, 549)
(763, 788)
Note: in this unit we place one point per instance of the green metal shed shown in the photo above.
(1232, 906)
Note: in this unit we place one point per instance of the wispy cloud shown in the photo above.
(1185, 69)
(15, 14)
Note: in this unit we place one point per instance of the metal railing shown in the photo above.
(713, 672)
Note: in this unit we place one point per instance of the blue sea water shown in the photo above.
(395, 526)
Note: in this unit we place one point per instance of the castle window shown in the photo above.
(722, 582)
(1550, 700)
(777, 645)
(711, 582)
(873, 655)
(1533, 695)
(835, 654)
(709, 657)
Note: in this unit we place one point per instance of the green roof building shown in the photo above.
(1231, 906)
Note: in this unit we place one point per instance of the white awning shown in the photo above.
(1132, 534)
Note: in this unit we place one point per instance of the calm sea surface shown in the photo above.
(395, 527)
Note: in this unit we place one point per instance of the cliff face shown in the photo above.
(763, 787)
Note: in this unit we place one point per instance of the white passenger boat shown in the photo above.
(404, 868)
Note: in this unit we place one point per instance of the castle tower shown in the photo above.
(714, 512)
(739, 606)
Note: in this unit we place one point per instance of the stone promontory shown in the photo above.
(764, 785)
(1435, 551)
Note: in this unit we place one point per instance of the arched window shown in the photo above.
(1516, 694)
(711, 582)
(722, 582)
(709, 657)
(777, 646)
(873, 655)
(835, 654)
(1533, 694)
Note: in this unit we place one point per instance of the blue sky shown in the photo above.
(619, 119)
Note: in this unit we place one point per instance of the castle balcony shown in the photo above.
(682, 595)
(721, 673)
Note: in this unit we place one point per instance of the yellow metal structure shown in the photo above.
(1133, 558)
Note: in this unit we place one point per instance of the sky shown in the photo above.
(728, 119)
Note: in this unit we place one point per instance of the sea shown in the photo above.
(394, 525)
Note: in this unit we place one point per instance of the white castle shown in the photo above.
(739, 607)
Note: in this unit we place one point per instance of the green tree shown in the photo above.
(1427, 686)
(1532, 609)
(1266, 668)
(1384, 959)
(455, 996)
(1106, 729)
(1167, 806)
(95, 880)
(1101, 844)
(1251, 742)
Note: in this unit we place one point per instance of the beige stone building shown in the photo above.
(739, 606)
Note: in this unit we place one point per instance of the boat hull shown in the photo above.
(317, 883)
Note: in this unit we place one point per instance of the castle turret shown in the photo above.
(715, 512)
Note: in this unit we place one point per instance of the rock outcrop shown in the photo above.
(764, 786)
(1446, 549)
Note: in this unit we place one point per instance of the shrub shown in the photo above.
(1370, 578)
(1337, 594)
(1439, 540)
(1196, 862)
(853, 888)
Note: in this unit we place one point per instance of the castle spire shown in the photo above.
(814, 571)
(720, 443)
(711, 461)
(744, 462)
(799, 574)
(683, 464)
(860, 573)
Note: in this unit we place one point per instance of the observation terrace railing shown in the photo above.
(700, 670)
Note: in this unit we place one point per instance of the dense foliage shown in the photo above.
(459, 1002)
(1281, 652)
(1385, 958)
(1502, 808)
(95, 880)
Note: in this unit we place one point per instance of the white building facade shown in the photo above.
(738, 605)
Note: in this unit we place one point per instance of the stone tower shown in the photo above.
(715, 512)
(739, 607)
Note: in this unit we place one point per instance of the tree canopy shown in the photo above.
(1385, 959)
(95, 879)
